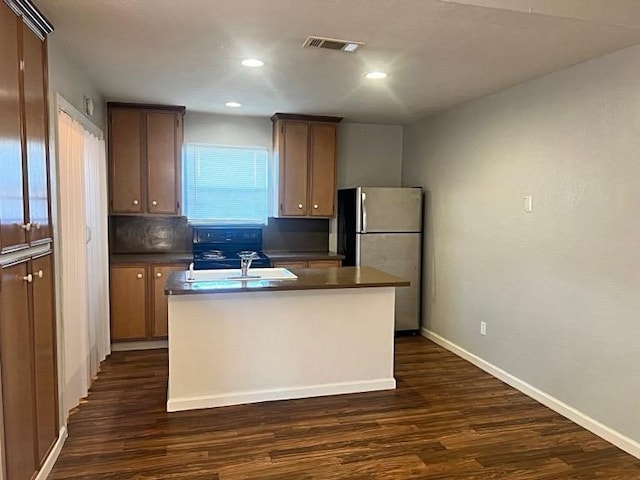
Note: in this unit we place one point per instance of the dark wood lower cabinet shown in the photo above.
(138, 303)
(17, 373)
(45, 355)
(28, 365)
(128, 293)
(159, 321)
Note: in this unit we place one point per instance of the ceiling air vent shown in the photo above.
(332, 44)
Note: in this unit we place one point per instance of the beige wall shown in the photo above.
(369, 155)
(558, 287)
(232, 130)
(73, 83)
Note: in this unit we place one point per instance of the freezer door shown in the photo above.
(398, 254)
(388, 209)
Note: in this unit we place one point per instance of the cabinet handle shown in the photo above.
(315, 205)
(26, 227)
(159, 274)
(28, 278)
(139, 275)
(154, 203)
(136, 202)
(39, 274)
(300, 206)
(36, 225)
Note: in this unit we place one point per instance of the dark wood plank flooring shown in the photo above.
(446, 420)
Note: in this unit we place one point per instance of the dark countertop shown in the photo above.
(158, 258)
(308, 279)
(287, 256)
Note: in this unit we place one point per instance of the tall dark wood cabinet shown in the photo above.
(12, 211)
(28, 369)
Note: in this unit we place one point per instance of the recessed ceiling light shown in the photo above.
(233, 104)
(375, 75)
(252, 62)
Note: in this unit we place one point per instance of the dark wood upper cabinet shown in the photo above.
(25, 217)
(164, 145)
(36, 138)
(305, 149)
(12, 208)
(145, 158)
(125, 153)
(322, 175)
(294, 138)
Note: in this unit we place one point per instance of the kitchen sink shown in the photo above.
(235, 274)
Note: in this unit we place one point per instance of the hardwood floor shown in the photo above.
(446, 420)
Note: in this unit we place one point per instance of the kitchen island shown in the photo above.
(329, 331)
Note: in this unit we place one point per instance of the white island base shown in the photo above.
(246, 347)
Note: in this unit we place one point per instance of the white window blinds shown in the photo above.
(225, 185)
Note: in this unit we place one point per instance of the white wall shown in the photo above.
(558, 287)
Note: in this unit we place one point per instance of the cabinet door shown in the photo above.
(163, 162)
(35, 123)
(325, 263)
(159, 322)
(17, 375)
(289, 264)
(128, 303)
(12, 215)
(44, 339)
(293, 164)
(125, 154)
(322, 178)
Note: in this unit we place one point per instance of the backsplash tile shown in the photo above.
(147, 234)
(156, 234)
(296, 235)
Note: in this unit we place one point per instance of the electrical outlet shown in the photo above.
(483, 328)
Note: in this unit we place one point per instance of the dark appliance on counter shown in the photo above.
(216, 248)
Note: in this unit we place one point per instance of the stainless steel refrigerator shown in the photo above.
(381, 227)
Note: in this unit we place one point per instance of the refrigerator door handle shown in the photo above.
(364, 212)
(358, 249)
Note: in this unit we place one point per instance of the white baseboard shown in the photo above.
(236, 398)
(50, 461)
(143, 345)
(609, 434)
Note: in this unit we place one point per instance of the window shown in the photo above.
(225, 185)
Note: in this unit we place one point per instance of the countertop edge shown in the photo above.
(308, 279)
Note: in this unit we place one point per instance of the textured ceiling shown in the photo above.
(437, 53)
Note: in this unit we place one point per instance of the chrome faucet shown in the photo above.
(245, 262)
(190, 276)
